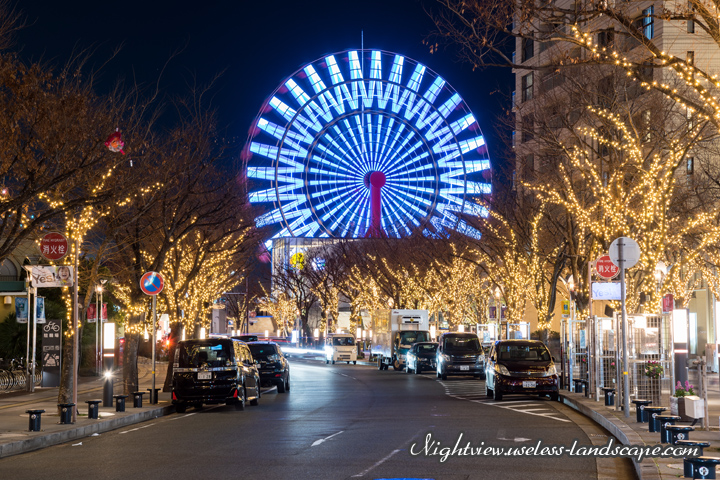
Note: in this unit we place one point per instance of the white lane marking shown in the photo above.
(364, 472)
(318, 442)
(516, 439)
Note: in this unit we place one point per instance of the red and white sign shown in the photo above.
(605, 268)
(668, 303)
(53, 246)
(151, 283)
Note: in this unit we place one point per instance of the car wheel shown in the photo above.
(348, 363)
(287, 383)
(555, 397)
(197, 405)
(418, 368)
(497, 395)
(443, 375)
(354, 362)
(333, 362)
(240, 404)
(437, 372)
(380, 364)
(327, 361)
(180, 407)
(281, 387)
(396, 364)
(488, 392)
(408, 369)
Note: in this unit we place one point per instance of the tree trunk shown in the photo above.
(174, 337)
(65, 393)
(130, 367)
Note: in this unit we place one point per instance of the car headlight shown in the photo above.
(551, 371)
(502, 370)
(445, 358)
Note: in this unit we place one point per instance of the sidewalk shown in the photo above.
(629, 432)
(14, 422)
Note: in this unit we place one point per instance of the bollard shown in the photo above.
(704, 467)
(640, 405)
(666, 421)
(34, 420)
(153, 395)
(679, 432)
(137, 399)
(609, 396)
(688, 467)
(120, 402)
(93, 408)
(652, 413)
(66, 411)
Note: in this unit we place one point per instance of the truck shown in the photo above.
(394, 332)
(340, 347)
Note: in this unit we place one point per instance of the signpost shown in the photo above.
(152, 283)
(625, 253)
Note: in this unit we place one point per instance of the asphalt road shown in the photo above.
(337, 422)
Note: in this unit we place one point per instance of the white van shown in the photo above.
(340, 347)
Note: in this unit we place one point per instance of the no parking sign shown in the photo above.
(151, 283)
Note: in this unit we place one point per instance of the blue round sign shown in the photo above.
(151, 283)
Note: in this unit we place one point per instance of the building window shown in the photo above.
(529, 167)
(605, 38)
(646, 22)
(527, 87)
(528, 128)
(691, 23)
(528, 48)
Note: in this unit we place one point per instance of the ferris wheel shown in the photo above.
(366, 143)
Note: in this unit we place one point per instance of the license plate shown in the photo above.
(464, 367)
(529, 384)
(204, 375)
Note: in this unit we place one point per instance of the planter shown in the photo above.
(677, 407)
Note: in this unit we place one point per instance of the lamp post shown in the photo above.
(98, 326)
(570, 287)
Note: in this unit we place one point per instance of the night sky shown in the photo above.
(256, 44)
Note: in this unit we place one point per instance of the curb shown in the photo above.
(645, 470)
(101, 426)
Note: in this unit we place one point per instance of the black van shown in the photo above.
(214, 370)
(460, 354)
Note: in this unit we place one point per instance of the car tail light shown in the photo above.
(174, 397)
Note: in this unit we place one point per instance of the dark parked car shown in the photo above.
(421, 356)
(274, 367)
(521, 366)
(214, 370)
(460, 354)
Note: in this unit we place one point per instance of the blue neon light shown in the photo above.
(344, 116)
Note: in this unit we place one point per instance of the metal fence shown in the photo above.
(592, 351)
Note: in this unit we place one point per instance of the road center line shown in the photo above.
(318, 442)
(364, 472)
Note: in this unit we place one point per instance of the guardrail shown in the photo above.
(17, 379)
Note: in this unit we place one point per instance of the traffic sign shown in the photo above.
(630, 251)
(151, 283)
(605, 268)
(53, 246)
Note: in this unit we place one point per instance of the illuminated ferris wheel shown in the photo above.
(366, 143)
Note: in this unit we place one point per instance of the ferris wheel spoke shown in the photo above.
(341, 118)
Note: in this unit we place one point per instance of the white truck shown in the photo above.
(340, 347)
(394, 332)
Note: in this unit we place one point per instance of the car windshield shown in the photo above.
(194, 355)
(523, 353)
(408, 338)
(262, 351)
(343, 341)
(469, 343)
(427, 348)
